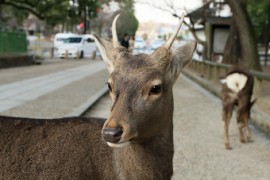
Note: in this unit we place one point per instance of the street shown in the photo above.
(55, 89)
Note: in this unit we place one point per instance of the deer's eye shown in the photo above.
(155, 90)
(109, 86)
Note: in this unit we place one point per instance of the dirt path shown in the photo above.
(198, 139)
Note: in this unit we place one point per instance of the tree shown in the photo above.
(241, 45)
(10, 17)
(128, 23)
(244, 34)
(51, 11)
(69, 12)
(169, 6)
(260, 16)
(36, 7)
(87, 9)
(57, 11)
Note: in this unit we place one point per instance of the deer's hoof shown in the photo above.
(249, 140)
(228, 147)
(242, 140)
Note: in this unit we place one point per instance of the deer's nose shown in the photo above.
(112, 135)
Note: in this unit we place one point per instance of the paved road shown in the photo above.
(198, 139)
(52, 90)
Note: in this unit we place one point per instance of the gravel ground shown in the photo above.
(198, 139)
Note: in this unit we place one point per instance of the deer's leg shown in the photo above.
(243, 114)
(241, 135)
(248, 134)
(242, 123)
(226, 115)
(247, 127)
(247, 119)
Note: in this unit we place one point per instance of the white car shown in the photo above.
(139, 45)
(157, 43)
(59, 39)
(78, 46)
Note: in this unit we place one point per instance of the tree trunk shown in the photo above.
(232, 48)
(249, 49)
(85, 20)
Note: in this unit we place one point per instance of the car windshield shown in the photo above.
(73, 40)
(158, 41)
(61, 39)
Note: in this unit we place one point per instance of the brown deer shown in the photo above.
(237, 90)
(136, 140)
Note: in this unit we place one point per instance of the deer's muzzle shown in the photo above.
(112, 135)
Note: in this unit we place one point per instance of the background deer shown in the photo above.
(237, 90)
(136, 140)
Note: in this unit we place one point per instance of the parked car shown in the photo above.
(139, 45)
(157, 43)
(33, 41)
(59, 39)
(79, 45)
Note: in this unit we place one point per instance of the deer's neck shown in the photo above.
(149, 160)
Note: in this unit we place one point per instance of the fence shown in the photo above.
(208, 75)
(12, 43)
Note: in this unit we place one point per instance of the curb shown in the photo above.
(81, 110)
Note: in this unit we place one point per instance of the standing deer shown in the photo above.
(237, 90)
(135, 142)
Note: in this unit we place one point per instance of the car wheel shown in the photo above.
(82, 54)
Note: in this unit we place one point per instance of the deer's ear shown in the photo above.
(180, 58)
(105, 47)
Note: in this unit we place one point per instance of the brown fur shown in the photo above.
(73, 148)
(53, 149)
(242, 100)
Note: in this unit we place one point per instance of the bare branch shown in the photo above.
(193, 32)
(30, 6)
(170, 8)
(49, 6)
(24, 2)
(40, 16)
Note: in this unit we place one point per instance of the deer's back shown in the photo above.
(238, 84)
(70, 148)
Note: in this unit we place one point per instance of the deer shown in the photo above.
(237, 90)
(134, 142)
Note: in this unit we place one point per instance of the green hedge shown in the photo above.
(12, 42)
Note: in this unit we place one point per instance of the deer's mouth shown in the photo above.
(116, 137)
(118, 145)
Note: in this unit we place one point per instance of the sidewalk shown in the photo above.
(198, 139)
(52, 90)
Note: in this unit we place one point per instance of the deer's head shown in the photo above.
(141, 89)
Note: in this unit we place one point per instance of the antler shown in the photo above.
(168, 44)
(114, 32)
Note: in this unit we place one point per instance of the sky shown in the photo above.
(145, 12)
